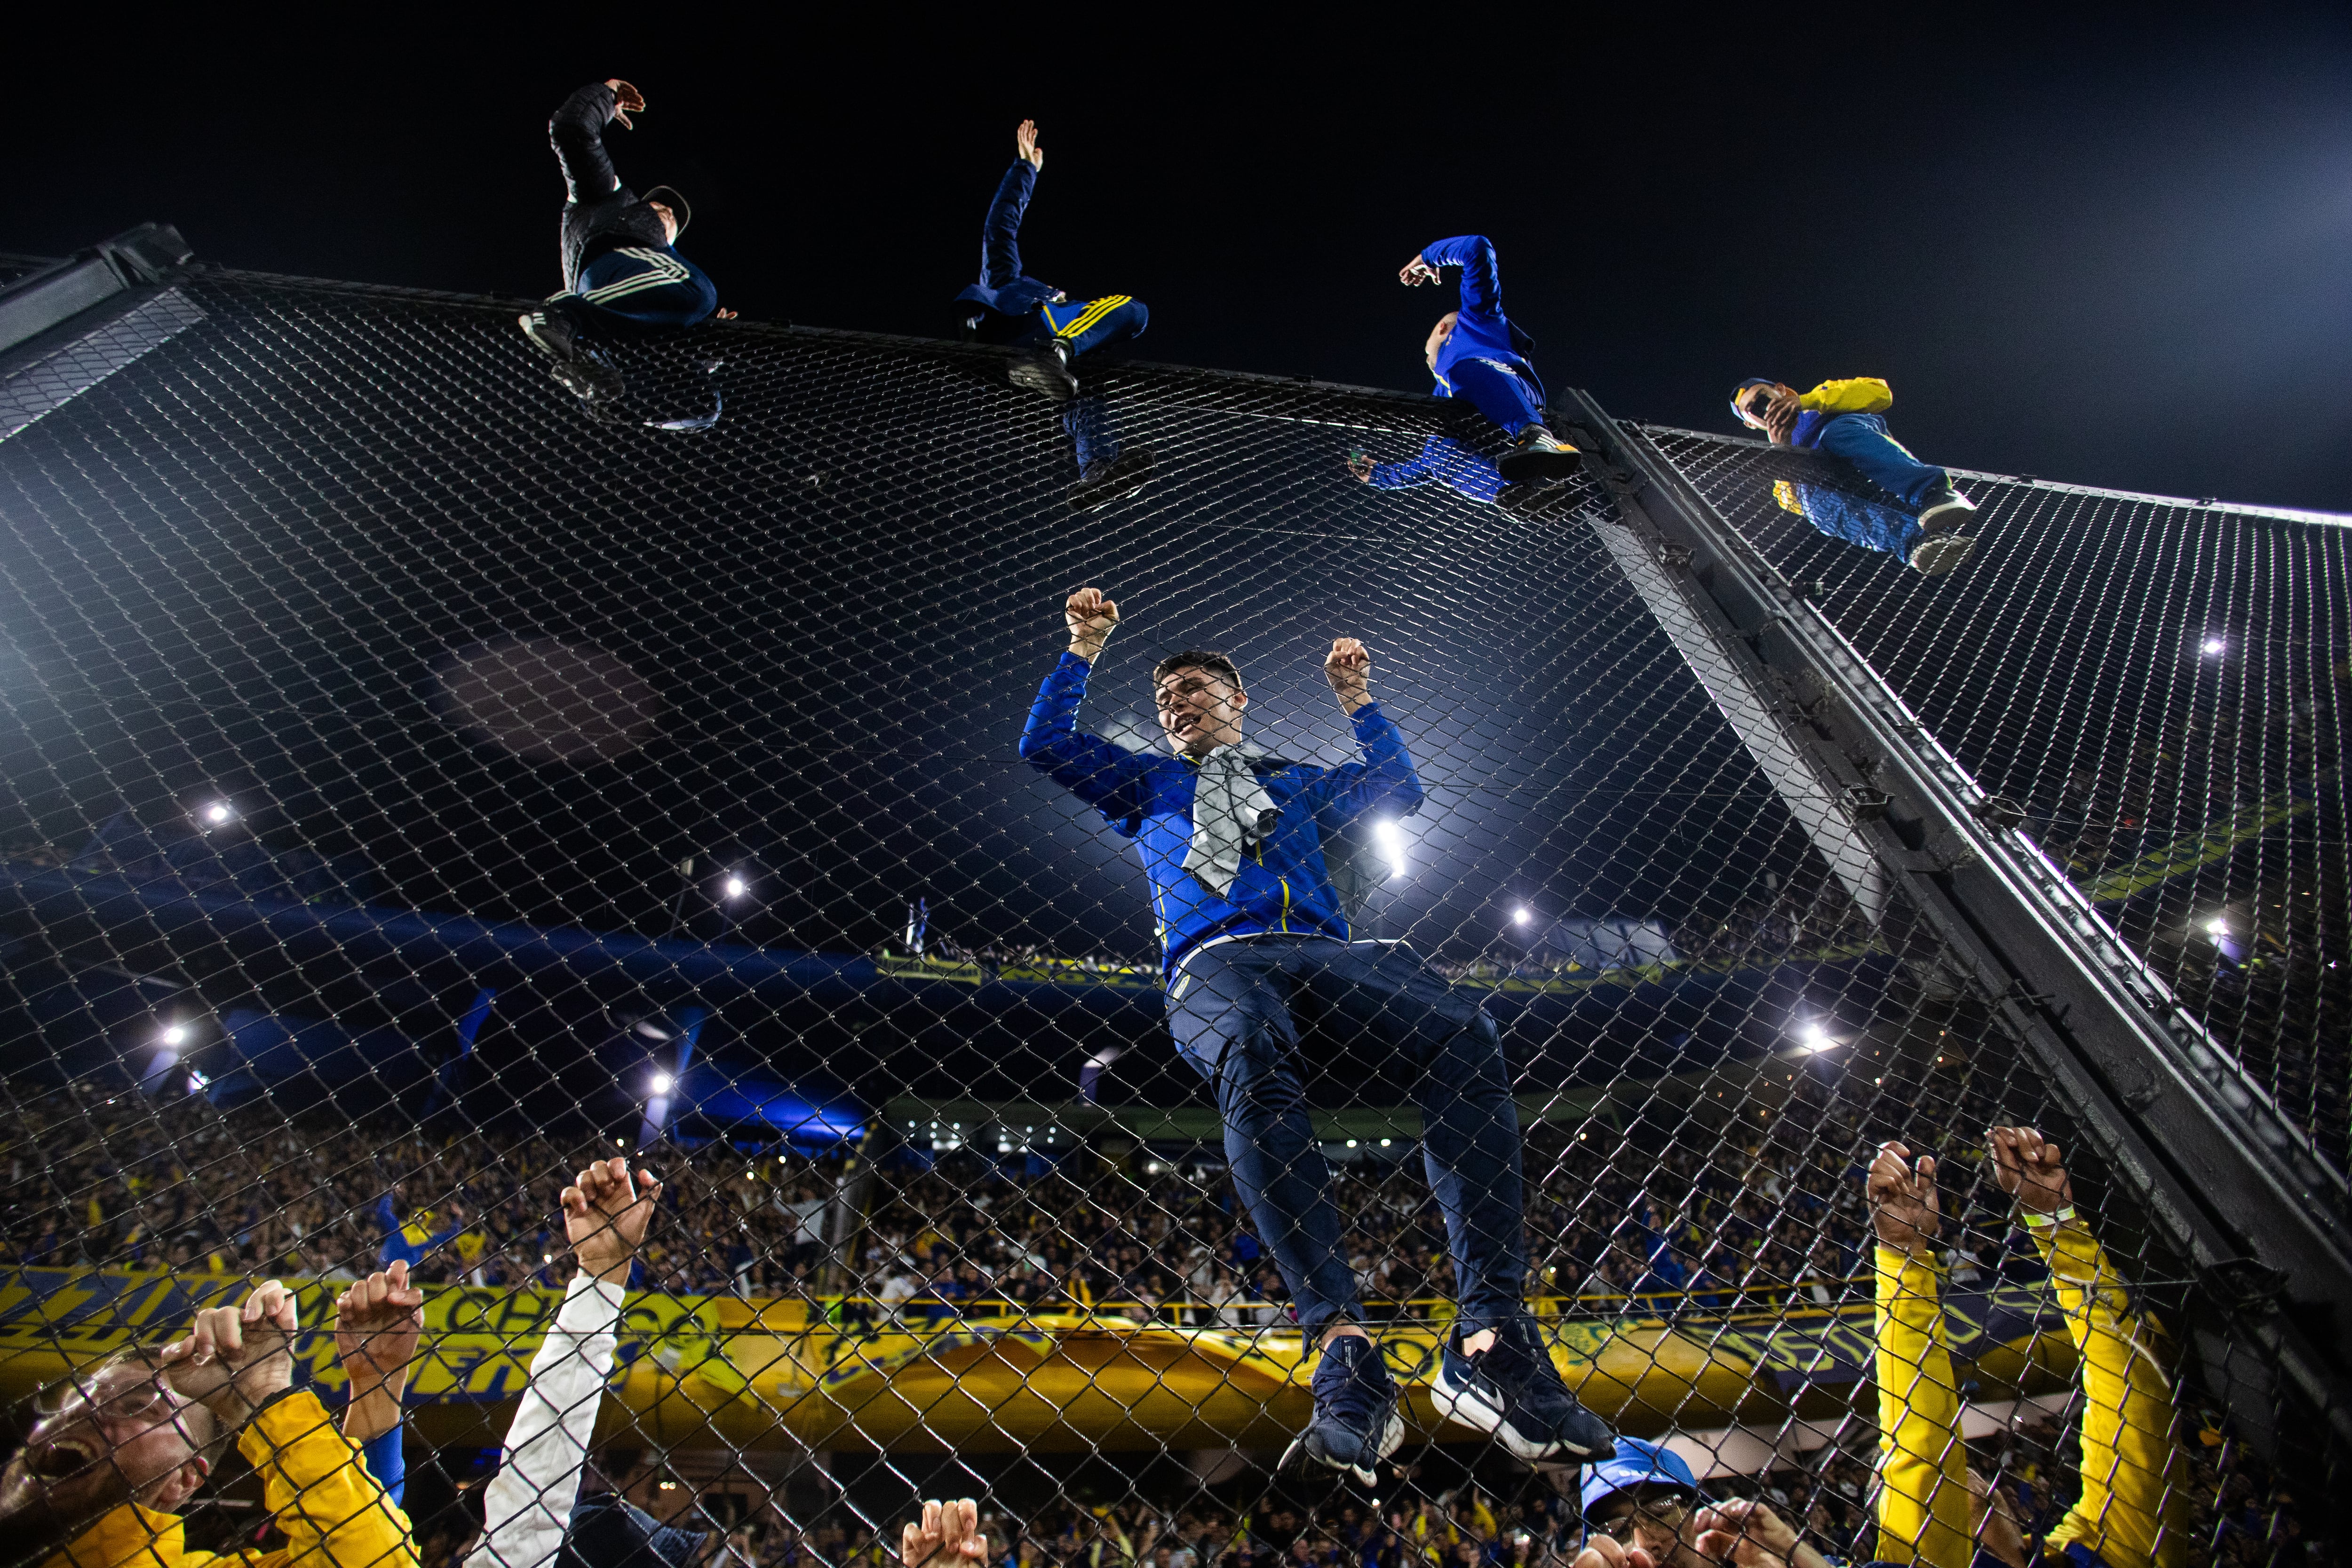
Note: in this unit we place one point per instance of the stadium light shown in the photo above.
(1391, 841)
(2216, 644)
(664, 1083)
(1522, 916)
(174, 1035)
(736, 886)
(1813, 1037)
(216, 813)
(2218, 926)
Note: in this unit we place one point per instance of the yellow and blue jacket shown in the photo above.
(2134, 1476)
(1855, 395)
(330, 1508)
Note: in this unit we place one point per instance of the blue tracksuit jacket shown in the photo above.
(1483, 331)
(1002, 285)
(1285, 885)
(1447, 462)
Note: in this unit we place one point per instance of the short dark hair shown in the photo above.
(1196, 659)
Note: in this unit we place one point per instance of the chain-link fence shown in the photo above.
(418, 789)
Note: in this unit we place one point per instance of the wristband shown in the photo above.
(2048, 1221)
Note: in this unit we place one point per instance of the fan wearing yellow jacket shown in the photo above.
(1931, 1509)
(100, 1481)
(1847, 419)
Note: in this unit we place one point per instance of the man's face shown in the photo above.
(668, 221)
(1438, 336)
(1658, 1518)
(122, 1433)
(1756, 399)
(1200, 709)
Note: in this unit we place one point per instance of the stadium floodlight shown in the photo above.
(664, 1083)
(1391, 841)
(174, 1034)
(2216, 644)
(1523, 916)
(1814, 1038)
(215, 812)
(736, 886)
(2218, 926)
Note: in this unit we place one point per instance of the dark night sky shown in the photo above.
(2112, 248)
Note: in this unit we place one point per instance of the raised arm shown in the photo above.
(1000, 240)
(577, 132)
(1109, 778)
(1482, 282)
(1386, 776)
(1924, 1507)
(378, 1322)
(314, 1483)
(528, 1504)
(2134, 1476)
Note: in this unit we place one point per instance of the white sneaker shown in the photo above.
(1954, 509)
(1941, 552)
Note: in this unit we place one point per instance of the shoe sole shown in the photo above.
(1520, 466)
(1469, 1407)
(1943, 519)
(1940, 554)
(1391, 1439)
(1031, 376)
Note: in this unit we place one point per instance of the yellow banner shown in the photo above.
(694, 1370)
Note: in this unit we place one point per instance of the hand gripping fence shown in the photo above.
(418, 794)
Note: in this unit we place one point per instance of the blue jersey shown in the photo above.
(1446, 462)
(1481, 331)
(1283, 884)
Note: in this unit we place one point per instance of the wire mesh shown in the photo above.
(2160, 685)
(417, 789)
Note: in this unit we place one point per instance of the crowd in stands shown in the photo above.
(1736, 1218)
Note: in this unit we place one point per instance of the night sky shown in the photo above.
(2109, 248)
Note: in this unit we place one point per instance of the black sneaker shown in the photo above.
(1356, 1423)
(1104, 483)
(1513, 1390)
(575, 363)
(1538, 456)
(1047, 371)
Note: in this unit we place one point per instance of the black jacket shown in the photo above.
(600, 214)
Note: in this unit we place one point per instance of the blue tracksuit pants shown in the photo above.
(1868, 523)
(1088, 326)
(1233, 1008)
(1495, 391)
(641, 287)
(1864, 440)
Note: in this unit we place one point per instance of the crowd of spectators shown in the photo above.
(1721, 1214)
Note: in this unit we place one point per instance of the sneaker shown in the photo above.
(1947, 512)
(1356, 1424)
(577, 365)
(1513, 1390)
(1941, 552)
(1104, 483)
(1537, 455)
(1047, 371)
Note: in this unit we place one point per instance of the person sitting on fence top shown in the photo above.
(1847, 419)
(100, 1478)
(1480, 354)
(1931, 1509)
(532, 1513)
(621, 271)
(1642, 1508)
(1238, 850)
(1008, 306)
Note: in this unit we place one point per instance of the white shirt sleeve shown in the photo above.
(528, 1504)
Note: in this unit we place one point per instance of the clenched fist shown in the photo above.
(1090, 617)
(1350, 670)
